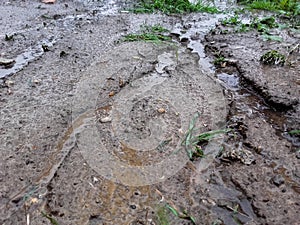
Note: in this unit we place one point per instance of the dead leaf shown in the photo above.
(48, 1)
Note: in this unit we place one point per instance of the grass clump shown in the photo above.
(50, 218)
(291, 7)
(162, 215)
(193, 143)
(182, 215)
(294, 132)
(273, 57)
(262, 25)
(173, 6)
(234, 20)
(155, 33)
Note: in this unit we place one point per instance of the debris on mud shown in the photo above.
(48, 1)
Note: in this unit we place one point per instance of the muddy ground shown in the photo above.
(72, 81)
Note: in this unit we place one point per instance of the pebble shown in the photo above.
(278, 180)
(4, 61)
(161, 110)
(105, 119)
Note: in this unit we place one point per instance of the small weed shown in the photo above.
(267, 37)
(162, 215)
(273, 57)
(146, 37)
(234, 20)
(219, 61)
(154, 33)
(173, 6)
(192, 142)
(182, 215)
(262, 25)
(217, 222)
(291, 7)
(50, 218)
(294, 132)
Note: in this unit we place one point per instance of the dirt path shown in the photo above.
(74, 87)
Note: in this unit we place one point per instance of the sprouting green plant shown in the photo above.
(262, 25)
(294, 132)
(234, 20)
(207, 136)
(192, 141)
(173, 6)
(146, 37)
(155, 33)
(219, 60)
(162, 215)
(291, 7)
(273, 57)
(157, 28)
(217, 222)
(267, 37)
(50, 218)
(182, 215)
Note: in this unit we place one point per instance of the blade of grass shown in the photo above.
(50, 218)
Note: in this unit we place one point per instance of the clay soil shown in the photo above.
(59, 52)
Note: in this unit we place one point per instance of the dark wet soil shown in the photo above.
(60, 54)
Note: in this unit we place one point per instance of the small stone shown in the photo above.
(133, 206)
(95, 179)
(36, 81)
(121, 82)
(5, 62)
(112, 93)
(298, 154)
(9, 82)
(161, 110)
(224, 45)
(105, 119)
(278, 180)
(34, 200)
(184, 39)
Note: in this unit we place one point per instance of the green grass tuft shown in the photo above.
(273, 57)
(173, 6)
(154, 33)
(162, 215)
(192, 141)
(291, 7)
(294, 132)
(50, 218)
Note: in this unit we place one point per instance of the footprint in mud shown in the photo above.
(144, 97)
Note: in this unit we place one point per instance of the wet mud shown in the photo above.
(70, 81)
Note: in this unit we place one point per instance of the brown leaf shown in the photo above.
(48, 1)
